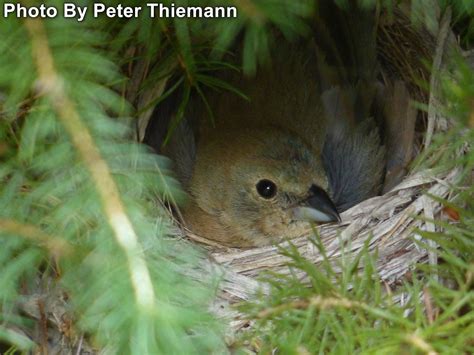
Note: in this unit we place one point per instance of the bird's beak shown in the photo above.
(318, 207)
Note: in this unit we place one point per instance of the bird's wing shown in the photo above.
(180, 146)
(353, 157)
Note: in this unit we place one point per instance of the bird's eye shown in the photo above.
(266, 188)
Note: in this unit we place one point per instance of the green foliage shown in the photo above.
(54, 220)
(347, 309)
(55, 204)
(463, 20)
(52, 205)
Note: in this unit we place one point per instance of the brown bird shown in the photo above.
(256, 186)
(302, 149)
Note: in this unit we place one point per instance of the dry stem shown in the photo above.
(52, 85)
(55, 245)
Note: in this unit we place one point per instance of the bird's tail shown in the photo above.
(353, 154)
(347, 56)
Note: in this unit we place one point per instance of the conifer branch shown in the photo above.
(51, 84)
(316, 301)
(420, 344)
(55, 245)
(324, 303)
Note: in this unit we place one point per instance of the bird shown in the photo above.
(272, 183)
(305, 146)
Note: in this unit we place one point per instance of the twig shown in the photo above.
(55, 245)
(43, 325)
(430, 314)
(52, 85)
(430, 227)
(79, 346)
(316, 301)
(434, 81)
(419, 343)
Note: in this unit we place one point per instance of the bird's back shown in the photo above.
(286, 94)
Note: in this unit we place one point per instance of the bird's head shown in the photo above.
(261, 185)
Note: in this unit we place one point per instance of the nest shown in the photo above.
(387, 221)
